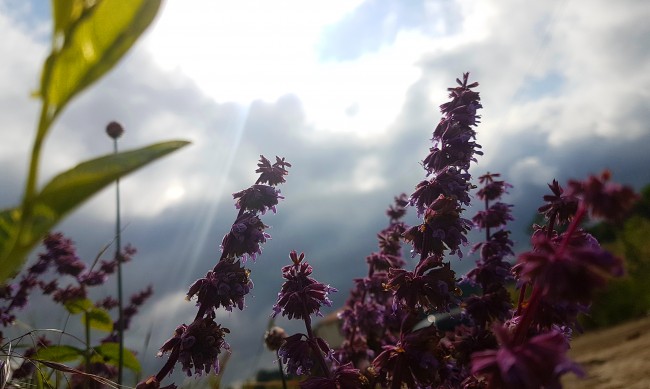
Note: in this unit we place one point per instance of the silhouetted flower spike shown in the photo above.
(567, 272)
(224, 286)
(245, 237)
(298, 354)
(258, 198)
(432, 286)
(272, 174)
(492, 189)
(538, 363)
(412, 361)
(61, 252)
(301, 295)
(560, 206)
(497, 215)
(604, 199)
(198, 345)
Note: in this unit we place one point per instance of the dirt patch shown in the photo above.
(614, 358)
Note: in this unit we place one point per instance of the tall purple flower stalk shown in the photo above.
(564, 269)
(197, 346)
(439, 201)
(61, 274)
(304, 353)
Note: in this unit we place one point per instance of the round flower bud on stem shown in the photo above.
(114, 130)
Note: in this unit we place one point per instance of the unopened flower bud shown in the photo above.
(114, 130)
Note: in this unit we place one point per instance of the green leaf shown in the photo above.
(100, 319)
(66, 13)
(89, 39)
(59, 353)
(78, 306)
(64, 193)
(110, 353)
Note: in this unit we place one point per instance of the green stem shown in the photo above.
(87, 353)
(44, 122)
(118, 257)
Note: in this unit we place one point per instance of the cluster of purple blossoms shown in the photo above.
(306, 354)
(432, 286)
(496, 344)
(58, 263)
(197, 346)
(563, 269)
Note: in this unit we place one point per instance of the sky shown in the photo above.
(347, 91)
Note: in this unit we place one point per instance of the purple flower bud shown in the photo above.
(258, 198)
(245, 237)
(224, 286)
(272, 174)
(198, 345)
(301, 295)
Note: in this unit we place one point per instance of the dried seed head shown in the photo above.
(114, 130)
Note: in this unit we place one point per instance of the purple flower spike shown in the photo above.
(411, 362)
(604, 199)
(198, 345)
(443, 228)
(272, 174)
(298, 353)
(431, 287)
(61, 252)
(567, 273)
(245, 237)
(538, 363)
(224, 286)
(258, 198)
(496, 216)
(492, 189)
(301, 295)
(559, 205)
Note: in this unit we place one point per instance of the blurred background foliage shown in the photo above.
(626, 298)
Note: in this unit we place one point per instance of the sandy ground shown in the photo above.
(613, 358)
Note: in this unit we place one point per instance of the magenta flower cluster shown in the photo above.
(494, 341)
(198, 345)
(60, 273)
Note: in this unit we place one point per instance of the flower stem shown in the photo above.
(118, 257)
(315, 348)
(284, 380)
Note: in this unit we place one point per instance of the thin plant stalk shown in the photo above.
(284, 380)
(118, 257)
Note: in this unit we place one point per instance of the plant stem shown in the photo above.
(118, 258)
(284, 380)
(87, 353)
(316, 348)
